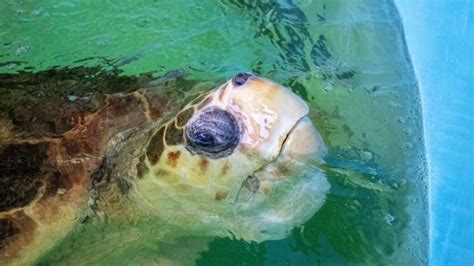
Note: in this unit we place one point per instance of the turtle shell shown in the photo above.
(54, 127)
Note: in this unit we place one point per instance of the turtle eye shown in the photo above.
(214, 133)
(241, 78)
(204, 139)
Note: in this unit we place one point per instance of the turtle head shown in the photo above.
(242, 161)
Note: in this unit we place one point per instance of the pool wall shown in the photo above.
(440, 39)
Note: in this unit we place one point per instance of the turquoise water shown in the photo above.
(347, 59)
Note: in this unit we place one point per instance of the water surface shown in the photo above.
(346, 58)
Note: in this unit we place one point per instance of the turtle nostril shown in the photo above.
(241, 78)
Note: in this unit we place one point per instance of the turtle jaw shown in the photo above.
(286, 191)
(303, 142)
(301, 149)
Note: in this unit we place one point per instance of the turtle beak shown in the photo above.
(302, 149)
(303, 142)
(297, 164)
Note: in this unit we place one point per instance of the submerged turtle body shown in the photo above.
(50, 148)
(230, 160)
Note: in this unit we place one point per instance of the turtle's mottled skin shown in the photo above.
(240, 158)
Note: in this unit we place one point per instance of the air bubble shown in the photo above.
(302, 3)
(394, 104)
(389, 219)
(328, 87)
(11, 66)
(367, 155)
(70, 216)
(37, 12)
(22, 49)
(72, 98)
(413, 199)
(408, 145)
(101, 44)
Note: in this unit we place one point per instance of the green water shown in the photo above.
(346, 58)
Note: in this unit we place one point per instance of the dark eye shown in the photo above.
(213, 133)
(204, 139)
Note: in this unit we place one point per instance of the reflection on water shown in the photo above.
(347, 59)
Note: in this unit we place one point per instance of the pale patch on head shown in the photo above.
(245, 121)
(264, 119)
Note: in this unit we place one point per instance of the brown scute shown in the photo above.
(174, 136)
(8, 230)
(122, 105)
(173, 158)
(156, 146)
(51, 102)
(157, 105)
(41, 118)
(220, 196)
(205, 102)
(23, 170)
(225, 169)
(184, 116)
(72, 148)
(121, 112)
(14, 226)
(203, 164)
(54, 182)
(142, 168)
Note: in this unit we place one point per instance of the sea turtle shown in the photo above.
(238, 160)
